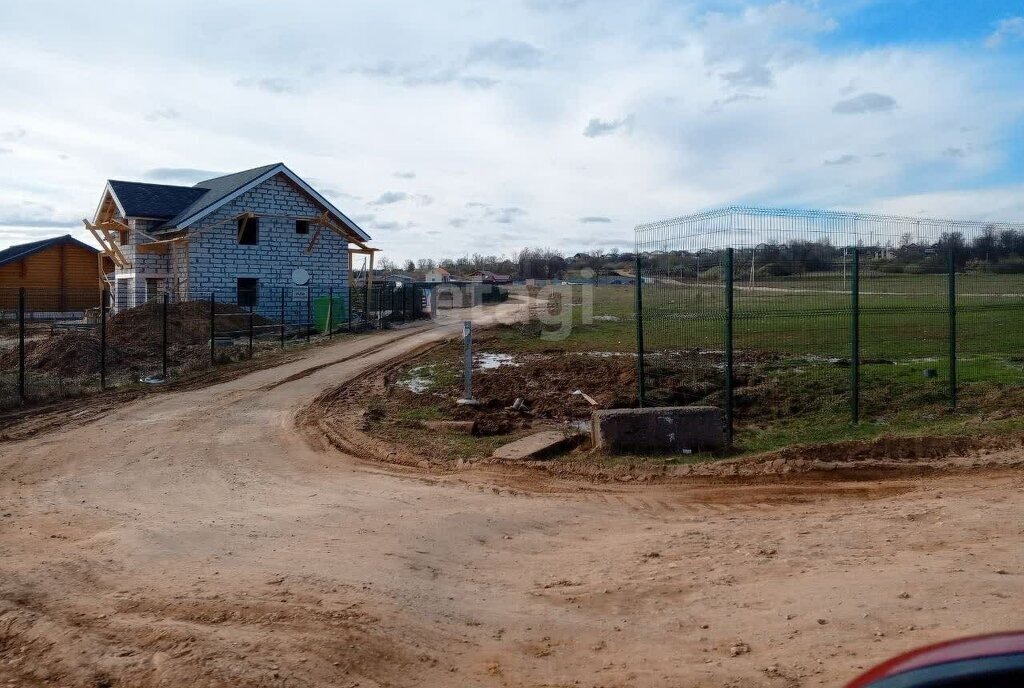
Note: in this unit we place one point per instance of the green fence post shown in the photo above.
(252, 297)
(855, 337)
(163, 336)
(213, 331)
(21, 345)
(951, 266)
(728, 345)
(330, 313)
(282, 317)
(104, 295)
(641, 378)
(366, 301)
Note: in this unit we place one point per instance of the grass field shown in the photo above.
(792, 338)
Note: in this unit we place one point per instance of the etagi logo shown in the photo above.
(557, 306)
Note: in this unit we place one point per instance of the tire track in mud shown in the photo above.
(344, 359)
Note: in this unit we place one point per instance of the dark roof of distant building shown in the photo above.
(13, 254)
(487, 274)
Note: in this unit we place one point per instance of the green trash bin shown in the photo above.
(338, 311)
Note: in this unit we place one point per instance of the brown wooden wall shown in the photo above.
(64, 277)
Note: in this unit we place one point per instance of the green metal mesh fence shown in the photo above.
(832, 317)
(61, 344)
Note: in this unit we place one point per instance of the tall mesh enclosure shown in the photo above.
(832, 317)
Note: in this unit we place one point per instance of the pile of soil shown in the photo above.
(546, 383)
(67, 354)
(187, 323)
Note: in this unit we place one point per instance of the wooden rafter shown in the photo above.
(241, 225)
(102, 235)
(344, 232)
(312, 240)
(325, 221)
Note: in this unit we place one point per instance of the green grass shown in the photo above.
(902, 317)
(896, 399)
(792, 339)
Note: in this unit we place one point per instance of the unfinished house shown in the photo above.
(244, 237)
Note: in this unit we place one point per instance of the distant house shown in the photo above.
(240, 237)
(488, 277)
(438, 275)
(59, 274)
(398, 279)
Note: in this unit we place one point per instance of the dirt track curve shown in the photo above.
(199, 538)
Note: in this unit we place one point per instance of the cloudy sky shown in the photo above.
(462, 126)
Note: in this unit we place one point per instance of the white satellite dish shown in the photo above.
(300, 277)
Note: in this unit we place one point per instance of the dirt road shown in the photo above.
(198, 538)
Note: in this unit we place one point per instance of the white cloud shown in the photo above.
(600, 127)
(865, 102)
(488, 108)
(1006, 30)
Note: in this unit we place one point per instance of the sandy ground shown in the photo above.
(200, 538)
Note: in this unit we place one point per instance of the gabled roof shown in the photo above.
(219, 191)
(181, 206)
(15, 253)
(154, 201)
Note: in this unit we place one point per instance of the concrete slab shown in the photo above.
(540, 445)
(669, 429)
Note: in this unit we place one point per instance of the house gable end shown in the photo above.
(195, 213)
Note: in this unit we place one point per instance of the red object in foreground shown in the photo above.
(987, 661)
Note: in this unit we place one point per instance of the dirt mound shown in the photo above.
(67, 354)
(187, 323)
(547, 384)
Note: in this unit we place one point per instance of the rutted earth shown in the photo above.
(206, 537)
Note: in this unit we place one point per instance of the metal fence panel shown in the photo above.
(780, 314)
(60, 344)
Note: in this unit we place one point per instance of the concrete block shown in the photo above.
(670, 429)
(540, 445)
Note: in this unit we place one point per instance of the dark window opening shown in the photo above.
(154, 288)
(248, 292)
(248, 231)
(122, 237)
(302, 226)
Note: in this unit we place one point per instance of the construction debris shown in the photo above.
(590, 399)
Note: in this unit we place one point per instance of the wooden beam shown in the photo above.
(158, 247)
(342, 231)
(113, 245)
(312, 241)
(240, 226)
(102, 235)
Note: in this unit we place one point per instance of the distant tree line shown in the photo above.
(528, 263)
(992, 250)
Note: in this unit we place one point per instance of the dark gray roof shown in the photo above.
(157, 201)
(215, 189)
(175, 203)
(15, 253)
(179, 206)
